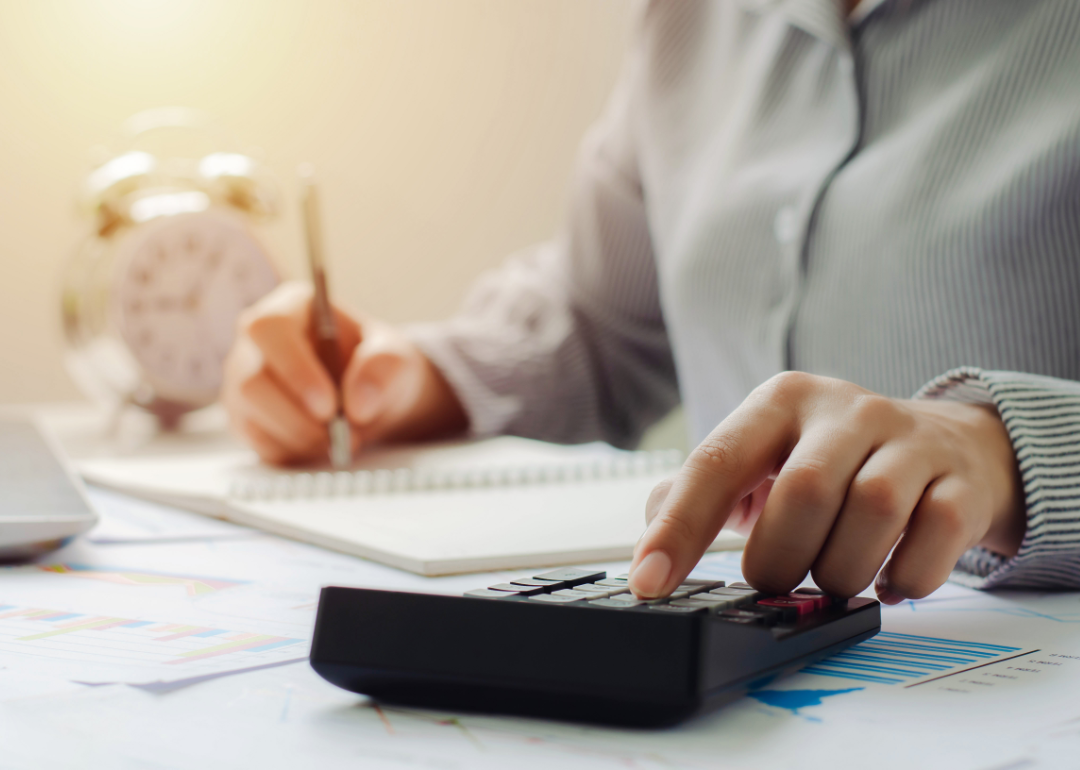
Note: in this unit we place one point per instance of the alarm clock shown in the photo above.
(152, 295)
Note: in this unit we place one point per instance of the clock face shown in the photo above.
(182, 281)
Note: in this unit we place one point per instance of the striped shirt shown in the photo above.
(892, 199)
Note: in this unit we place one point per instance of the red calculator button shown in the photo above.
(821, 599)
(802, 605)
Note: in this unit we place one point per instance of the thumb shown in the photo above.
(369, 384)
(381, 380)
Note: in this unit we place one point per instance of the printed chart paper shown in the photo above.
(96, 649)
(963, 680)
(133, 647)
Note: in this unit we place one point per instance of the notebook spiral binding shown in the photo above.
(305, 486)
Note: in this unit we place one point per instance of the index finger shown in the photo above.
(728, 465)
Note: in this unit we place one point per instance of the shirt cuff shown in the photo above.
(489, 411)
(1042, 417)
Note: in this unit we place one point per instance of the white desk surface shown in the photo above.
(1019, 712)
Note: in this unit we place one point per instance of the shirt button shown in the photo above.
(786, 225)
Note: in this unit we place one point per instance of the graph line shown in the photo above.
(972, 668)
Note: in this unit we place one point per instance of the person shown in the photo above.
(847, 238)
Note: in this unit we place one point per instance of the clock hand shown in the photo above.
(193, 298)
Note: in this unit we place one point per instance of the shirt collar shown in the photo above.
(821, 18)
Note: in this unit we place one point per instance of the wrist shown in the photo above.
(441, 410)
(1009, 522)
(436, 412)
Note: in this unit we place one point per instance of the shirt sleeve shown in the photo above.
(566, 342)
(1042, 416)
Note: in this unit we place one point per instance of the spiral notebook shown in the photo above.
(504, 503)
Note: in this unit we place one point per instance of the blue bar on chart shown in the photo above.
(891, 658)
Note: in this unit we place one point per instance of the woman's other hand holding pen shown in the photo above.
(279, 396)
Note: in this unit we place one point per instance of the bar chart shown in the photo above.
(135, 650)
(194, 586)
(893, 659)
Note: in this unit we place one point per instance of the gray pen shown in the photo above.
(323, 323)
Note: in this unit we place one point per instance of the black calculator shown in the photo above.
(574, 644)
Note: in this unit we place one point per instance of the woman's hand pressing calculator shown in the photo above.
(575, 644)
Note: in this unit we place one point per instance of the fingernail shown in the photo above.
(885, 594)
(368, 402)
(320, 403)
(651, 575)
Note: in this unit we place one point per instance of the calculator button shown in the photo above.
(745, 591)
(727, 604)
(815, 602)
(523, 590)
(821, 599)
(777, 615)
(800, 606)
(748, 616)
(624, 597)
(746, 620)
(535, 582)
(707, 584)
(735, 591)
(675, 609)
(709, 596)
(487, 593)
(595, 588)
(554, 599)
(572, 576)
(614, 604)
(573, 594)
(739, 597)
(695, 588)
(783, 613)
(718, 602)
(689, 602)
(613, 582)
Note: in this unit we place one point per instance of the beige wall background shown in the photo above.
(443, 133)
